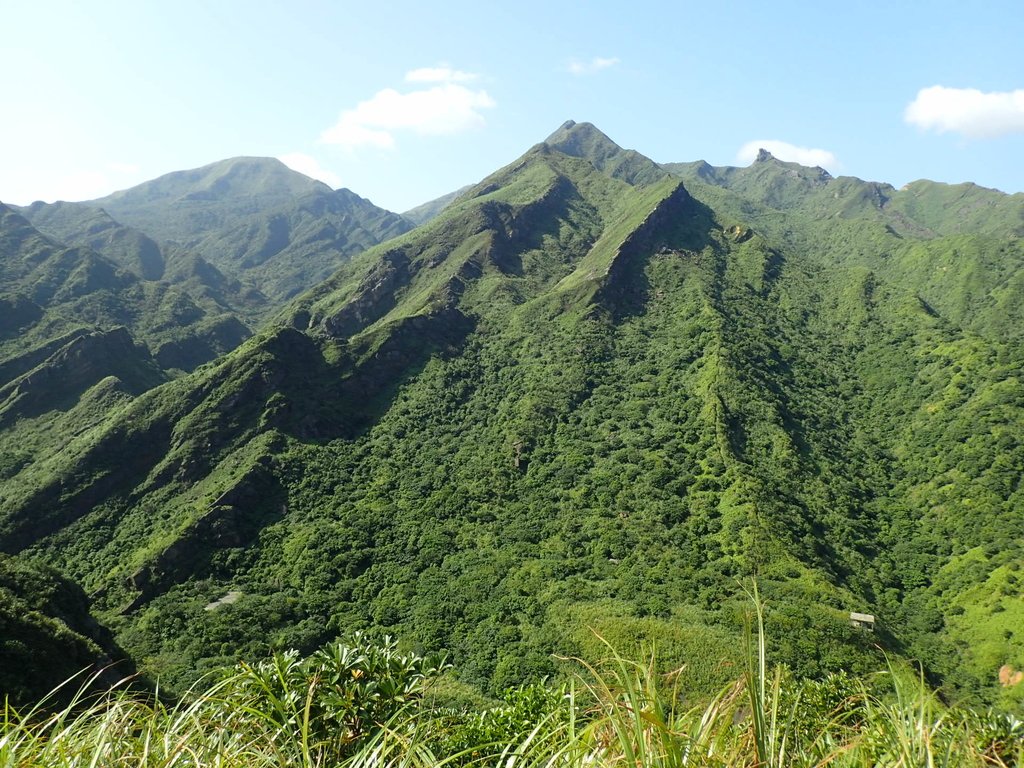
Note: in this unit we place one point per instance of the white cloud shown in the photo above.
(783, 150)
(308, 165)
(439, 74)
(441, 110)
(596, 64)
(967, 111)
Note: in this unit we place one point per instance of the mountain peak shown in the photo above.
(248, 177)
(763, 156)
(585, 141)
(577, 139)
(207, 197)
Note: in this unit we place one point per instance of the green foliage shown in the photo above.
(584, 395)
(339, 698)
(337, 708)
(48, 635)
(257, 221)
(527, 713)
(55, 291)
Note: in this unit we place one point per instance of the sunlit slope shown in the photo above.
(591, 393)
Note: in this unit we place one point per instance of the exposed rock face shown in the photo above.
(374, 297)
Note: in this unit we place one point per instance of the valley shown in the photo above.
(590, 393)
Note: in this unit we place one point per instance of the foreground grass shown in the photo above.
(365, 704)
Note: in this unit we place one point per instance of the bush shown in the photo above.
(339, 697)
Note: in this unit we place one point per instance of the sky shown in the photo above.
(402, 102)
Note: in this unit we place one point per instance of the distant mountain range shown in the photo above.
(590, 392)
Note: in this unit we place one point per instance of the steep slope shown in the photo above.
(70, 366)
(958, 246)
(79, 224)
(48, 636)
(51, 290)
(257, 221)
(79, 336)
(588, 394)
(924, 209)
(585, 141)
(288, 249)
(185, 205)
(431, 209)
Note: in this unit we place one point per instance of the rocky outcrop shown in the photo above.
(373, 299)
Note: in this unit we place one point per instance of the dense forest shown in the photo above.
(588, 400)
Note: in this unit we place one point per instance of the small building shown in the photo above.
(862, 621)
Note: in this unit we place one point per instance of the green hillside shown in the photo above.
(257, 221)
(50, 290)
(431, 209)
(47, 636)
(80, 224)
(593, 393)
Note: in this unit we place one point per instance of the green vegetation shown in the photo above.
(256, 221)
(51, 293)
(47, 636)
(358, 703)
(223, 247)
(593, 392)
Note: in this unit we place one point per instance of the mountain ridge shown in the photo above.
(256, 220)
(591, 390)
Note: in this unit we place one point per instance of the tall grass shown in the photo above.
(768, 720)
(619, 712)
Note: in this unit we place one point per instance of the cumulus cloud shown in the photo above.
(308, 165)
(596, 64)
(439, 74)
(789, 152)
(444, 109)
(967, 111)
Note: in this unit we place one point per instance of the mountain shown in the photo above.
(922, 209)
(49, 290)
(594, 393)
(83, 225)
(93, 311)
(257, 221)
(80, 224)
(248, 233)
(959, 246)
(431, 209)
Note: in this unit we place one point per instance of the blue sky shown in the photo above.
(404, 101)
